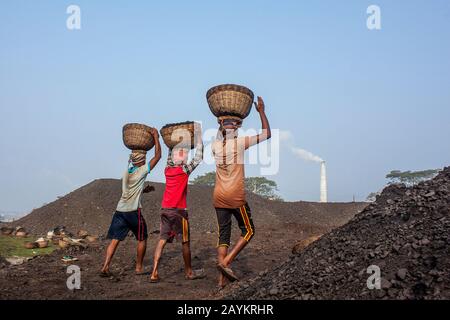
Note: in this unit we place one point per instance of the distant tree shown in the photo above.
(262, 186)
(207, 179)
(372, 196)
(411, 178)
(259, 185)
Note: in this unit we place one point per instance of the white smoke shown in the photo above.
(305, 154)
(287, 137)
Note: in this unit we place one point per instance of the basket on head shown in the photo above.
(179, 135)
(137, 136)
(230, 100)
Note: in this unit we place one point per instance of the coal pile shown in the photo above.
(406, 233)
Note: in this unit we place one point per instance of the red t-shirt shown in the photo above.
(176, 188)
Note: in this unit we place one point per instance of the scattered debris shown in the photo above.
(30, 245)
(42, 243)
(68, 259)
(91, 238)
(20, 232)
(6, 231)
(63, 243)
(18, 260)
(82, 234)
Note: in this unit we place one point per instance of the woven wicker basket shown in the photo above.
(30, 245)
(91, 238)
(137, 137)
(230, 100)
(63, 244)
(42, 244)
(179, 134)
(7, 231)
(21, 234)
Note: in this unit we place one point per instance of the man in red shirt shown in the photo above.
(174, 215)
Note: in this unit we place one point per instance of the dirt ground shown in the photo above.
(45, 277)
(279, 226)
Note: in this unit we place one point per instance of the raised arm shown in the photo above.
(265, 134)
(198, 150)
(154, 161)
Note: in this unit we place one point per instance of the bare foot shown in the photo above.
(222, 282)
(139, 270)
(105, 273)
(154, 278)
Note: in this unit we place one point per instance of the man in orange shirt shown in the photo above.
(229, 191)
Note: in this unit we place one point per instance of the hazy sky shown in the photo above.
(365, 101)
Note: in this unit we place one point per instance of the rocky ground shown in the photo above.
(406, 234)
(279, 226)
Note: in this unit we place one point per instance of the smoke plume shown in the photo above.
(286, 136)
(305, 154)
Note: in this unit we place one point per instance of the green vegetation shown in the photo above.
(372, 196)
(411, 178)
(12, 246)
(207, 179)
(259, 185)
(262, 186)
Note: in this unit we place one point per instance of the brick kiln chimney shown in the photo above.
(323, 182)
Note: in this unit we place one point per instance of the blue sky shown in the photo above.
(365, 101)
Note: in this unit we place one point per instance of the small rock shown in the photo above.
(401, 274)
(385, 284)
(380, 293)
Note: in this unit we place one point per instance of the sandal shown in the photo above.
(227, 272)
(196, 274)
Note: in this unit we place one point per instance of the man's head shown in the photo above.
(180, 155)
(137, 158)
(231, 123)
(229, 126)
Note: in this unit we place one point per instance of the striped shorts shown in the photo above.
(244, 218)
(123, 222)
(174, 224)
